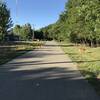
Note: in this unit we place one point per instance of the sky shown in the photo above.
(38, 13)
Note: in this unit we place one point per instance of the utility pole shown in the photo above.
(16, 11)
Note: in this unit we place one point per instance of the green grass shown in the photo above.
(9, 51)
(88, 61)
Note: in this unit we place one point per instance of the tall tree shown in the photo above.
(80, 22)
(5, 20)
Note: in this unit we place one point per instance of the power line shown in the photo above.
(16, 11)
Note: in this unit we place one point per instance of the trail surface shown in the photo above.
(44, 74)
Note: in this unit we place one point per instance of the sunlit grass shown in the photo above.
(88, 61)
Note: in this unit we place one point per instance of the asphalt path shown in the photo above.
(44, 74)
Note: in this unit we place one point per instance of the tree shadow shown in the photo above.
(70, 53)
(44, 84)
(29, 63)
(60, 45)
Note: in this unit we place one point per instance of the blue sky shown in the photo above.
(37, 12)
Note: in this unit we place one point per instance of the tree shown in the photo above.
(17, 30)
(25, 32)
(5, 20)
(79, 23)
(29, 31)
(83, 19)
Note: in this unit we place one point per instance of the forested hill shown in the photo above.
(80, 23)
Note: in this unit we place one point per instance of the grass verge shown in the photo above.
(88, 61)
(10, 50)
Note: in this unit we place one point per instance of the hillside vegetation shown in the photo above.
(79, 23)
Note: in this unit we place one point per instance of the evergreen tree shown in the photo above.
(5, 20)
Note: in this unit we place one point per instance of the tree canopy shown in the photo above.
(25, 32)
(5, 20)
(80, 22)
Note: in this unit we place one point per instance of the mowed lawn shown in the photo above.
(10, 50)
(87, 59)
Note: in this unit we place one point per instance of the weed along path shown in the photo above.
(44, 74)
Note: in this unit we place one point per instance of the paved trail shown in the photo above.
(44, 74)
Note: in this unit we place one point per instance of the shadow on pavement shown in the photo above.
(44, 84)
